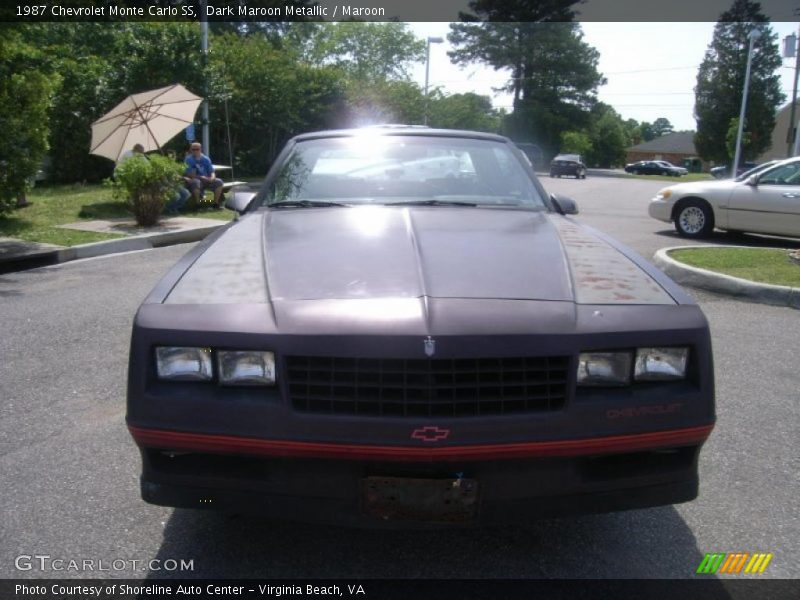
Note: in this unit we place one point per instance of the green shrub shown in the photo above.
(147, 183)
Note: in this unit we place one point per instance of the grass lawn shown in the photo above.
(55, 205)
(764, 265)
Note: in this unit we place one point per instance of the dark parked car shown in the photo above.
(655, 167)
(403, 325)
(568, 164)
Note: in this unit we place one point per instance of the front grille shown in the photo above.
(413, 388)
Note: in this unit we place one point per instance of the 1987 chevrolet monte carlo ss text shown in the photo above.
(403, 326)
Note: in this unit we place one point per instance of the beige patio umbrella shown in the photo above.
(149, 118)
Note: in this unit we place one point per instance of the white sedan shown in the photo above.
(767, 201)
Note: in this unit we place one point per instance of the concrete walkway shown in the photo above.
(19, 255)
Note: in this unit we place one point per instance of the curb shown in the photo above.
(144, 241)
(762, 293)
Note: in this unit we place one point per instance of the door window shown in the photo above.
(783, 175)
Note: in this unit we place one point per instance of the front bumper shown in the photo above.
(255, 450)
(515, 482)
(570, 170)
(661, 210)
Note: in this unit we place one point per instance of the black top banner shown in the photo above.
(384, 10)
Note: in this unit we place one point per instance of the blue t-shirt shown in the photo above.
(199, 166)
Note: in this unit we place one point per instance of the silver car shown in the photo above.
(767, 201)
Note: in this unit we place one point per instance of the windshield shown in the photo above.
(756, 169)
(397, 169)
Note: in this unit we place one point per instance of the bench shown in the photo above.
(229, 184)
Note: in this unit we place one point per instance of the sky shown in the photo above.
(651, 68)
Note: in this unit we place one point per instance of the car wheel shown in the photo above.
(694, 219)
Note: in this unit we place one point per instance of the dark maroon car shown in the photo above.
(402, 325)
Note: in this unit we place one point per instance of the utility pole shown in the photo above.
(752, 36)
(431, 40)
(204, 50)
(790, 50)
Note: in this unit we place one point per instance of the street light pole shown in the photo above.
(431, 40)
(204, 52)
(752, 36)
(790, 50)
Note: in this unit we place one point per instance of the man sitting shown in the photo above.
(200, 175)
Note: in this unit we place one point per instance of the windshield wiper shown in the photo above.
(430, 203)
(303, 204)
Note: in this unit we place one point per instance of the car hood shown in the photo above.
(362, 253)
(724, 186)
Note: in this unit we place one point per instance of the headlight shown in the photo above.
(660, 364)
(244, 367)
(663, 194)
(184, 364)
(604, 368)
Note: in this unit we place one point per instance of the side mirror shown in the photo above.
(564, 205)
(752, 180)
(239, 199)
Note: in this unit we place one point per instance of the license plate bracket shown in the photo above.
(413, 499)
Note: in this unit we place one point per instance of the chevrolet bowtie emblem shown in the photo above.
(430, 433)
(430, 346)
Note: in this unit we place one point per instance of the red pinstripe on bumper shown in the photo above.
(224, 444)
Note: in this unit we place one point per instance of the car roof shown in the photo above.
(390, 129)
(787, 160)
(576, 157)
(776, 162)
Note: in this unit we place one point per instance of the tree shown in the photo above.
(575, 142)
(747, 142)
(646, 131)
(554, 75)
(383, 102)
(608, 137)
(662, 126)
(100, 64)
(25, 101)
(632, 132)
(720, 81)
(520, 10)
(367, 52)
(463, 111)
(271, 95)
(154, 55)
